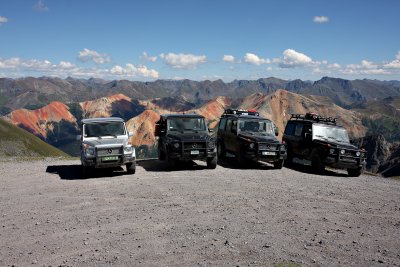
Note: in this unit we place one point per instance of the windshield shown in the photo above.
(326, 132)
(256, 126)
(104, 129)
(186, 124)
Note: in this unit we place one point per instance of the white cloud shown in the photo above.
(3, 20)
(183, 61)
(66, 65)
(40, 6)
(65, 68)
(321, 19)
(146, 57)
(255, 60)
(131, 71)
(90, 55)
(228, 58)
(292, 59)
(394, 64)
(334, 66)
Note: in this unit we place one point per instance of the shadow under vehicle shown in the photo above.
(183, 138)
(246, 136)
(105, 144)
(318, 141)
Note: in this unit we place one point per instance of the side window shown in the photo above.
(289, 130)
(298, 130)
(222, 124)
(228, 125)
(234, 125)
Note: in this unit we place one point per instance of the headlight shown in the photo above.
(211, 144)
(176, 145)
(89, 150)
(358, 153)
(342, 151)
(128, 149)
(282, 148)
(251, 145)
(331, 151)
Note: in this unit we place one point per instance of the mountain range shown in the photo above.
(32, 93)
(51, 108)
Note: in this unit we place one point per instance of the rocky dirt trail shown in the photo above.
(50, 216)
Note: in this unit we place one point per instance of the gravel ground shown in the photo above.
(50, 216)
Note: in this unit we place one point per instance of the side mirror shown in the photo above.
(276, 131)
(78, 137)
(130, 134)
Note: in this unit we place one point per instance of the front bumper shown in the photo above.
(98, 162)
(265, 152)
(105, 157)
(192, 150)
(348, 160)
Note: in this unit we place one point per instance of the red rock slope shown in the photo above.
(279, 106)
(39, 121)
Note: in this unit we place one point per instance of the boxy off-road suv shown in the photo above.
(320, 141)
(185, 137)
(105, 143)
(247, 136)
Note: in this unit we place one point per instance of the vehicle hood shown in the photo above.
(338, 144)
(107, 142)
(259, 137)
(188, 136)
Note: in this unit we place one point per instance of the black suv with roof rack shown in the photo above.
(318, 140)
(185, 137)
(247, 136)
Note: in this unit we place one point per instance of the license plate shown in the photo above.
(268, 153)
(194, 152)
(110, 158)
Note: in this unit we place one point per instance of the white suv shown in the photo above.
(105, 143)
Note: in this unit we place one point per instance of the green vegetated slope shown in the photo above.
(16, 142)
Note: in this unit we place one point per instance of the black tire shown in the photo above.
(355, 172)
(289, 159)
(221, 150)
(161, 155)
(171, 164)
(212, 163)
(278, 164)
(317, 165)
(131, 167)
(240, 160)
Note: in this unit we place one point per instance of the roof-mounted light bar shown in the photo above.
(252, 112)
(314, 117)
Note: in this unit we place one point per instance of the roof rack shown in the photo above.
(314, 117)
(252, 112)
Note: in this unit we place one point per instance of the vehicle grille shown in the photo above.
(109, 151)
(194, 145)
(266, 146)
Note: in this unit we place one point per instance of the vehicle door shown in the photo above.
(294, 136)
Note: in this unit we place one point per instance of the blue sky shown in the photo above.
(200, 39)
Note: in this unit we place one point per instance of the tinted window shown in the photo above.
(234, 124)
(228, 125)
(298, 130)
(290, 128)
(222, 124)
